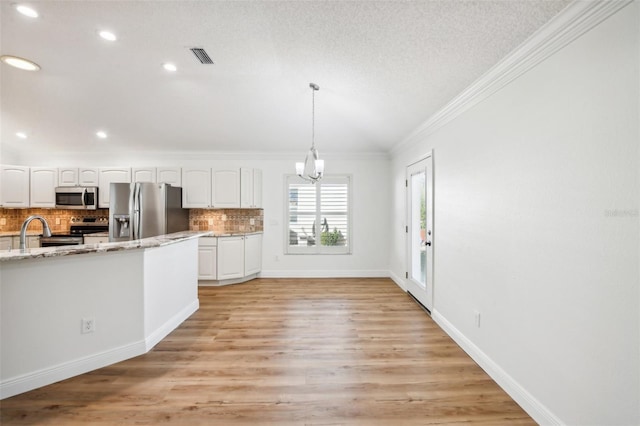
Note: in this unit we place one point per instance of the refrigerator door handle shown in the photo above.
(136, 195)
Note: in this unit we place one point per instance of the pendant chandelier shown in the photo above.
(313, 167)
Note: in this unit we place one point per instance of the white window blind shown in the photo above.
(318, 216)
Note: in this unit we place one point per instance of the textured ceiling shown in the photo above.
(383, 68)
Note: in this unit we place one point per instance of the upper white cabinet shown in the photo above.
(210, 188)
(77, 176)
(143, 174)
(196, 188)
(252, 254)
(43, 184)
(14, 186)
(225, 184)
(170, 175)
(108, 175)
(250, 188)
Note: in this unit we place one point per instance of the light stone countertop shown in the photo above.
(159, 241)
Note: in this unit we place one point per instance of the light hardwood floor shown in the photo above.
(286, 352)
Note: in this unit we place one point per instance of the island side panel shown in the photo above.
(170, 288)
(43, 302)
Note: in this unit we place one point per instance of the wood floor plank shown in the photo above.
(285, 352)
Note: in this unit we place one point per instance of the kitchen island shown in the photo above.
(68, 310)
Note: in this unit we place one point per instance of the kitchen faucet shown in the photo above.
(23, 231)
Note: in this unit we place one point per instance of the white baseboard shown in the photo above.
(161, 332)
(528, 402)
(324, 273)
(69, 369)
(398, 280)
(47, 376)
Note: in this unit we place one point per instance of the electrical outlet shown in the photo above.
(476, 317)
(57, 221)
(252, 221)
(88, 325)
(3, 221)
(224, 217)
(210, 221)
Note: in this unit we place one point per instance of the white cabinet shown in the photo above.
(170, 175)
(13, 243)
(92, 239)
(207, 258)
(77, 176)
(14, 186)
(6, 243)
(225, 184)
(43, 184)
(210, 188)
(108, 175)
(196, 188)
(252, 254)
(230, 258)
(250, 188)
(143, 174)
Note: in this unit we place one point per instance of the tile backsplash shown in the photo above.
(58, 220)
(225, 221)
(221, 221)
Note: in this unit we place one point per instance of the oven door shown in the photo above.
(77, 198)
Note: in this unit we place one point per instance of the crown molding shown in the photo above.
(572, 22)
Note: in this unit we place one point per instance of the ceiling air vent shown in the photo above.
(202, 55)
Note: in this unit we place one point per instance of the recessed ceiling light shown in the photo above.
(26, 11)
(21, 135)
(23, 64)
(101, 134)
(108, 35)
(170, 67)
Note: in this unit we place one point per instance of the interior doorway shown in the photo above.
(420, 231)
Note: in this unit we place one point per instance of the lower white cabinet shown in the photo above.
(229, 258)
(207, 258)
(252, 254)
(13, 242)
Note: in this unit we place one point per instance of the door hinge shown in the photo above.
(406, 275)
(406, 183)
(406, 229)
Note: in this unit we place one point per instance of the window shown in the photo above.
(320, 210)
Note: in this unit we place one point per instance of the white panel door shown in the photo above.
(420, 231)
(88, 176)
(207, 258)
(15, 186)
(257, 188)
(246, 188)
(226, 188)
(68, 176)
(230, 258)
(196, 188)
(170, 175)
(43, 187)
(143, 174)
(252, 254)
(107, 176)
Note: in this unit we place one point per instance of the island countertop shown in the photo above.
(158, 241)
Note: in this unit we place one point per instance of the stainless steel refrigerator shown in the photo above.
(141, 210)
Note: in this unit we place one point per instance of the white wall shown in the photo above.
(537, 191)
(370, 172)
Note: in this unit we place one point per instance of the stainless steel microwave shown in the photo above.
(77, 197)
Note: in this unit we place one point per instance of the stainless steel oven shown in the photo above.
(78, 229)
(77, 197)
